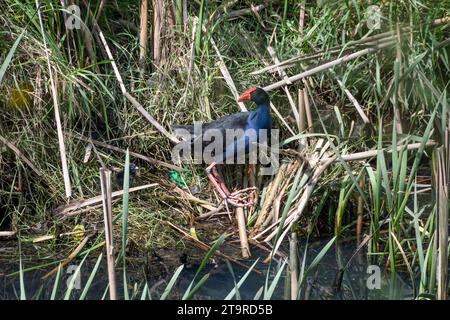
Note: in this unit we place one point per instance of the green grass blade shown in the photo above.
(171, 283)
(235, 291)
(91, 277)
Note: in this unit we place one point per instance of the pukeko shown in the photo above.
(250, 124)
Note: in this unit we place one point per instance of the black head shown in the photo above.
(255, 94)
(133, 168)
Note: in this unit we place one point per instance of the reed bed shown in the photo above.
(362, 113)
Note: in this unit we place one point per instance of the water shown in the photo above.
(323, 283)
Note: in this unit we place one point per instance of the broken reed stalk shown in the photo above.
(59, 130)
(129, 97)
(75, 208)
(242, 226)
(327, 65)
(442, 222)
(293, 264)
(105, 182)
(143, 38)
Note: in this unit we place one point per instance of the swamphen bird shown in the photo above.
(250, 123)
(121, 175)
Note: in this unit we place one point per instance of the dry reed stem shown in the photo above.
(192, 58)
(73, 208)
(293, 265)
(326, 66)
(442, 222)
(158, 21)
(242, 227)
(372, 153)
(283, 75)
(133, 154)
(143, 37)
(241, 12)
(130, 98)
(355, 103)
(301, 20)
(21, 156)
(66, 261)
(61, 144)
(302, 115)
(307, 110)
(7, 233)
(226, 75)
(271, 194)
(105, 182)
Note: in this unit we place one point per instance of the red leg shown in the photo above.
(234, 198)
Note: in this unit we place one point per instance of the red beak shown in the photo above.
(247, 95)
